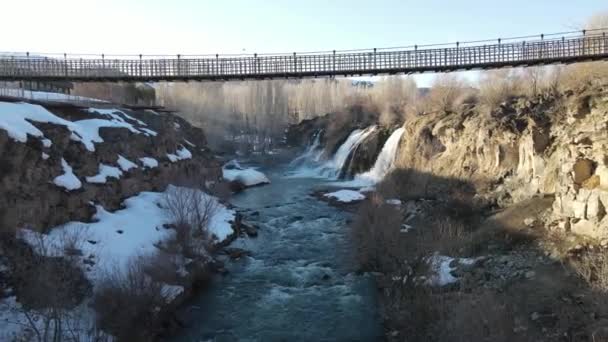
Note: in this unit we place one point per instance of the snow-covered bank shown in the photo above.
(234, 172)
(117, 237)
(16, 119)
(107, 247)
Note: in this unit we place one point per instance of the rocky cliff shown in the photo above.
(551, 144)
(58, 161)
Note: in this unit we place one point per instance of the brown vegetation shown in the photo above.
(129, 303)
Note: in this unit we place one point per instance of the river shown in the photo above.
(300, 282)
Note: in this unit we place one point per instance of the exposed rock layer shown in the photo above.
(549, 144)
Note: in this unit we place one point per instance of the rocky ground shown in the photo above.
(531, 177)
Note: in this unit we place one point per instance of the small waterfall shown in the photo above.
(333, 166)
(313, 152)
(386, 159)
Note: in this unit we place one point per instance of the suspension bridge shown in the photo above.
(567, 47)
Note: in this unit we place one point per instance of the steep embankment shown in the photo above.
(58, 159)
(552, 144)
(95, 242)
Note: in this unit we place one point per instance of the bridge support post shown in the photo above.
(334, 61)
(295, 63)
(375, 60)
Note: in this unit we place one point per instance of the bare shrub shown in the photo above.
(445, 235)
(128, 302)
(497, 86)
(163, 266)
(376, 234)
(49, 288)
(426, 314)
(190, 210)
(593, 268)
(393, 95)
(447, 92)
(580, 74)
(482, 316)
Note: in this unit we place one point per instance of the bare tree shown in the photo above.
(191, 211)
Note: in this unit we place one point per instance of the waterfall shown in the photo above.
(385, 161)
(310, 164)
(313, 152)
(333, 166)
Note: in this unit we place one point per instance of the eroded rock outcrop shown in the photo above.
(550, 144)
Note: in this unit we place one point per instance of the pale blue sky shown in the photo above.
(216, 26)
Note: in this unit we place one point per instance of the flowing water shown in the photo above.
(386, 159)
(299, 284)
(308, 163)
(313, 152)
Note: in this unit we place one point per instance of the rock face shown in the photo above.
(30, 198)
(550, 144)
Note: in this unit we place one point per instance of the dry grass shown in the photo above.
(593, 268)
(376, 234)
(496, 87)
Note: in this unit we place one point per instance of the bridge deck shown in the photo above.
(584, 47)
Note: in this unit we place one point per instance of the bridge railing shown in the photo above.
(585, 46)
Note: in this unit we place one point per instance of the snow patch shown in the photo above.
(116, 238)
(105, 172)
(114, 113)
(442, 271)
(67, 180)
(148, 162)
(393, 201)
(233, 171)
(45, 156)
(170, 292)
(16, 119)
(181, 154)
(125, 164)
(346, 196)
(148, 132)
